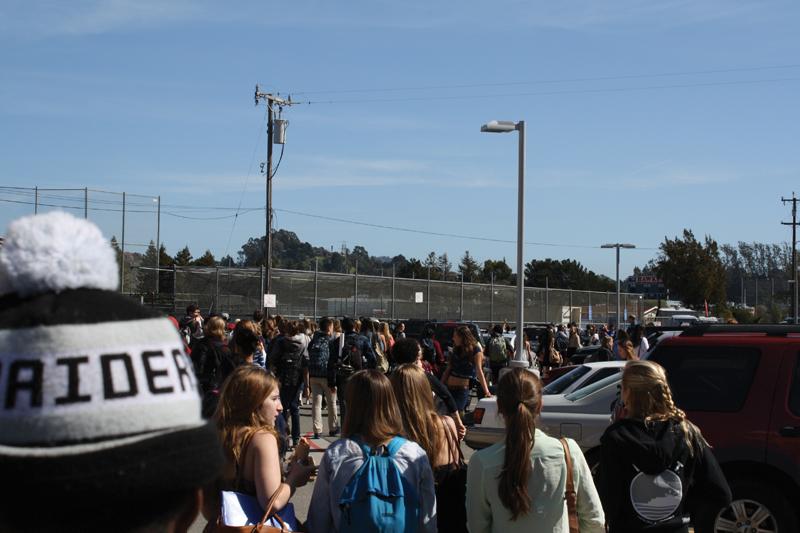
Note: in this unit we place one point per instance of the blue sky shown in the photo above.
(643, 118)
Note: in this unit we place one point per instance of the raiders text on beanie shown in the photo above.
(97, 398)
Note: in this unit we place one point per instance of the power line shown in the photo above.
(341, 220)
(543, 82)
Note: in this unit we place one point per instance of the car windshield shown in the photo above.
(562, 383)
(586, 391)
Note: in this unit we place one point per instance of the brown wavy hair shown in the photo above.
(420, 420)
(649, 399)
(372, 412)
(238, 417)
(519, 400)
(468, 343)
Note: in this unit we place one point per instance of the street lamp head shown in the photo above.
(499, 126)
(618, 245)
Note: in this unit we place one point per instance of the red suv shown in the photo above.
(741, 386)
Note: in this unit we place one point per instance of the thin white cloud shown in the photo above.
(46, 18)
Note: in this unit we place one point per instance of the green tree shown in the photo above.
(183, 257)
(444, 264)
(692, 270)
(207, 260)
(227, 261)
(564, 274)
(469, 268)
(164, 259)
(500, 269)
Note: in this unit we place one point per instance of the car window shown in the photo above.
(709, 378)
(794, 392)
(583, 392)
(563, 382)
(601, 373)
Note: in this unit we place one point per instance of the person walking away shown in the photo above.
(248, 407)
(437, 435)
(562, 339)
(548, 356)
(409, 351)
(626, 351)
(373, 467)
(289, 363)
(387, 336)
(656, 468)
(497, 350)
(520, 483)
(432, 355)
(209, 357)
(639, 341)
(464, 365)
(318, 355)
(604, 353)
(574, 341)
(349, 353)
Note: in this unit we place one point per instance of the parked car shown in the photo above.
(443, 332)
(583, 415)
(741, 386)
(582, 375)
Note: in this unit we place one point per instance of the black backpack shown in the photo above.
(351, 359)
(318, 355)
(290, 365)
(428, 351)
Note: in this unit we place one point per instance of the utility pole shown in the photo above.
(271, 100)
(618, 245)
(793, 223)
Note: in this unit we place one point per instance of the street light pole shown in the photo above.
(505, 126)
(618, 246)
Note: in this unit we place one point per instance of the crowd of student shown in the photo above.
(102, 421)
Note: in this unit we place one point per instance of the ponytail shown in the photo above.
(519, 395)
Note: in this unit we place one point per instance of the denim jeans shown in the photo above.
(461, 397)
(290, 399)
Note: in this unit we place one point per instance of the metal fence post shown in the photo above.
(570, 306)
(261, 280)
(461, 308)
(355, 293)
(429, 293)
(608, 303)
(216, 290)
(491, 299)
(174, 289)
(546, 297)
(316, 277)
(393, 291)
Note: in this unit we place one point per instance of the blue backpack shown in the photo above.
(377, 499)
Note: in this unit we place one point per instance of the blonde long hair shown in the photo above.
(649, 399)
(238, 415)
(415, 399)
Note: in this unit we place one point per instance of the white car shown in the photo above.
(583, 415)
(583, 375)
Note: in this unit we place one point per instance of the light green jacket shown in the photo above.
(546, 487)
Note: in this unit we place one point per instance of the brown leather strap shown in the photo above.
(270, 505)
(570, 495)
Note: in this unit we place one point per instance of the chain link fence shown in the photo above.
(311, 294)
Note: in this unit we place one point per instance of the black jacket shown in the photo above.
(288, 358)
(648, 481)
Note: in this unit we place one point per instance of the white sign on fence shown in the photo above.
(270, 301)
(418, 297)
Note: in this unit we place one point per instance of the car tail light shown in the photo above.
(477, 415)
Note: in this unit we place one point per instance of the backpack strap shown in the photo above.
(394, 445)
(570, 495)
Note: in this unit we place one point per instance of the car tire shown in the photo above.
(751, 499)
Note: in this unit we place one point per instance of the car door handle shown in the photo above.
(790, 431)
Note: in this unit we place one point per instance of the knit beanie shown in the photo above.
(98, 400)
